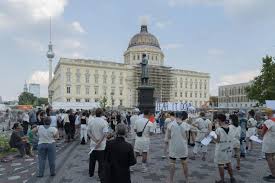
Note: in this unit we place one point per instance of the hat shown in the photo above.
(268, 111)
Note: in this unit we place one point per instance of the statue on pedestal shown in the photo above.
(144, 70)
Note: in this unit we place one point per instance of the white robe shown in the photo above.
(237, 135)
(269, 138)
(252, 130)
(223, 149)
(178, 143)
(202, 125)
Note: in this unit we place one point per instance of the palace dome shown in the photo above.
(144, 38)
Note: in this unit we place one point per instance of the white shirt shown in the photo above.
(140, 124)
(97, 128)
(268, 141)
(26, 117)
(46, 135)
(178, 142)
(53, 121)
(236, 131)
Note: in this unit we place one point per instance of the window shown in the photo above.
(96, 78)
(196, 95)
(180, 94)
(77, 100)
(87, 100)
(176, 94)
(156, 57)
(68, 89)
(200, 95)
(121, 102)
(204, 95)
(121, 80)
(78, 78)
(78, 90)
(68, 70)
(185, 94)
(96, 90)
(113, 91)
(113, 79)
(87, 90)
(190, 94)
(87, 77)
(180, 84)
(196, 85)
(120, 91)
(68, 76)
(205, 86)
(134, 57)
(138, 57)
(186, 83)
(104, 78)
(68, 100)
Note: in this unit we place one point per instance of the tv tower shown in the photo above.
(50, 53)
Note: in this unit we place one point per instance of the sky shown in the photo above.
(226, 38)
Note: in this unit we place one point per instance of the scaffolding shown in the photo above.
(160, 77)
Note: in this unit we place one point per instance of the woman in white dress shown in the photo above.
(236, 130)
(268, 146)
(251, 129)
(204, 127)
(177, 134)
(223, 150)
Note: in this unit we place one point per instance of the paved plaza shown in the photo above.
(72, 167)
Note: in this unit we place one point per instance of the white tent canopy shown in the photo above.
(3, 107)
(270, 104)
(75, 105)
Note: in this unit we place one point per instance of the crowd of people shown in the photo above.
(118, 139)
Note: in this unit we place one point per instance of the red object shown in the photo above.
(152, 119)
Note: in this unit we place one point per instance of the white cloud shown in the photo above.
(39, 77)
(39, 9)
(144, 19)
(215, 52)
(172, 46)
(163, 24)
(242, 77)
(42, 78)
(77, 27)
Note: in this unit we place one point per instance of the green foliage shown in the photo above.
(4, 145)
(27, 98)
(263, 86)
(103, 102)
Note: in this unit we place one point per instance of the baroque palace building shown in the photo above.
(82, 80)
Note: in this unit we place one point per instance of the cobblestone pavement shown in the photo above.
(20, 170)
(72, 167)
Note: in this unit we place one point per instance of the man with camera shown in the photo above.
(144, 129)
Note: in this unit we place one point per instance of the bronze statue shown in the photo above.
(144, 70)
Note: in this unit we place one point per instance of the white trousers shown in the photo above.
(83, 132)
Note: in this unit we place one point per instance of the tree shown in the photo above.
(103, 102)
(263, 86)
(26, 98)
(42, 101)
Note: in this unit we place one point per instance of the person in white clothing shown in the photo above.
(169, 118)
(236, 130)
(251, 129)
(268, 147)
(178, 134)
(144, 129)
(223, 149)
(97, 130)
(204, 127)
(83, 128)
(133, 120)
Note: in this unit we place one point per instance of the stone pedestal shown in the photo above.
(146, 98)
